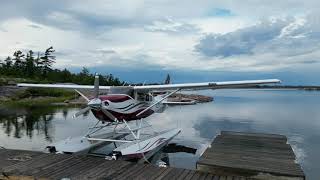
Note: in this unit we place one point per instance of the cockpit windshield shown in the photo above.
(122, 90)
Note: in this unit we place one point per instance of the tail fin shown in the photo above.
(167, 81)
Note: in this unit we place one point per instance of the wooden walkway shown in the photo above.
(19, 164)
(255, 155)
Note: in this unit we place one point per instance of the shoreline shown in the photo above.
(9, 95)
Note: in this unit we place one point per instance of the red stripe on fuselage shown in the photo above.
(121, 116)
(115, 98)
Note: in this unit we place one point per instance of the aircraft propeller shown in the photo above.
(94, 103)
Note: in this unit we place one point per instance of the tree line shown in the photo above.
(39, 67)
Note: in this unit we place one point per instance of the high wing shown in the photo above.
(64, 86)
(184, 86)
(206, 85)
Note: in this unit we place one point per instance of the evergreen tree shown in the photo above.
(167, 81)
(38, 64)
(37, 61)
(66, 75)
(47, 60)
(40, 68)
(18, 58)
(30, 67)
(6, 67)
(85, 77)
(8, 62)
(84, 72)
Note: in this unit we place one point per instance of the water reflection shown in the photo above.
(213, 125)
(24, 121)
(163, 154)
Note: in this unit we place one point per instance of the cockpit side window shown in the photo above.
(140, 96)
(143, 97)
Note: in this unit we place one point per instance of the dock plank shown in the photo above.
(164, 173)
(40, 165)
(174, 174)
(104, 170)
(183, 174)
(248, 154)
(150, 172)
(130, 172)
(9, 157)
(254, 153)
(255, 135)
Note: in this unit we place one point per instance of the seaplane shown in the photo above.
(120, 106)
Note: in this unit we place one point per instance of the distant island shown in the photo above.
(302, 87)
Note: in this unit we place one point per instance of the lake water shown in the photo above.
(293, 113)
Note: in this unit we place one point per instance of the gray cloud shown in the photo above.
(2, 29)
(59, 14)
(106, 51)
(284, 37)
(35, 26)
(126, 27)
(99, 15)
(170, 26)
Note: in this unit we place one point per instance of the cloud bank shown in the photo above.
(223, 35)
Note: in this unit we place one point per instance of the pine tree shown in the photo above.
(37, 61)
(30, 67)
(47, 60)
(7, 66)
(40, 68)
(8, 62)
(18, 58)
(167, 81)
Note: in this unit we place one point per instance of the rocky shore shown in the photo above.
(198, 98)
(7, 92)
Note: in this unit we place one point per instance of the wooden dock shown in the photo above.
(254, 155)
(19, 164)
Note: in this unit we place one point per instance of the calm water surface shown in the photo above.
(293, 113)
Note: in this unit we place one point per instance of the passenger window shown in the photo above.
(140, 97)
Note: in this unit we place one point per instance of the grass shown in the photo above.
(44, 92)
(7, 80)
(44, 101)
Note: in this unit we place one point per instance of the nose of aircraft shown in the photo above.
(95, 103)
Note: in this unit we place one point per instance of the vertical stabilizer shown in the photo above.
(167, 81)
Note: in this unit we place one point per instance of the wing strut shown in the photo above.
(165, 97)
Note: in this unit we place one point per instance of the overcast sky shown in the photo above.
(248, 36)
